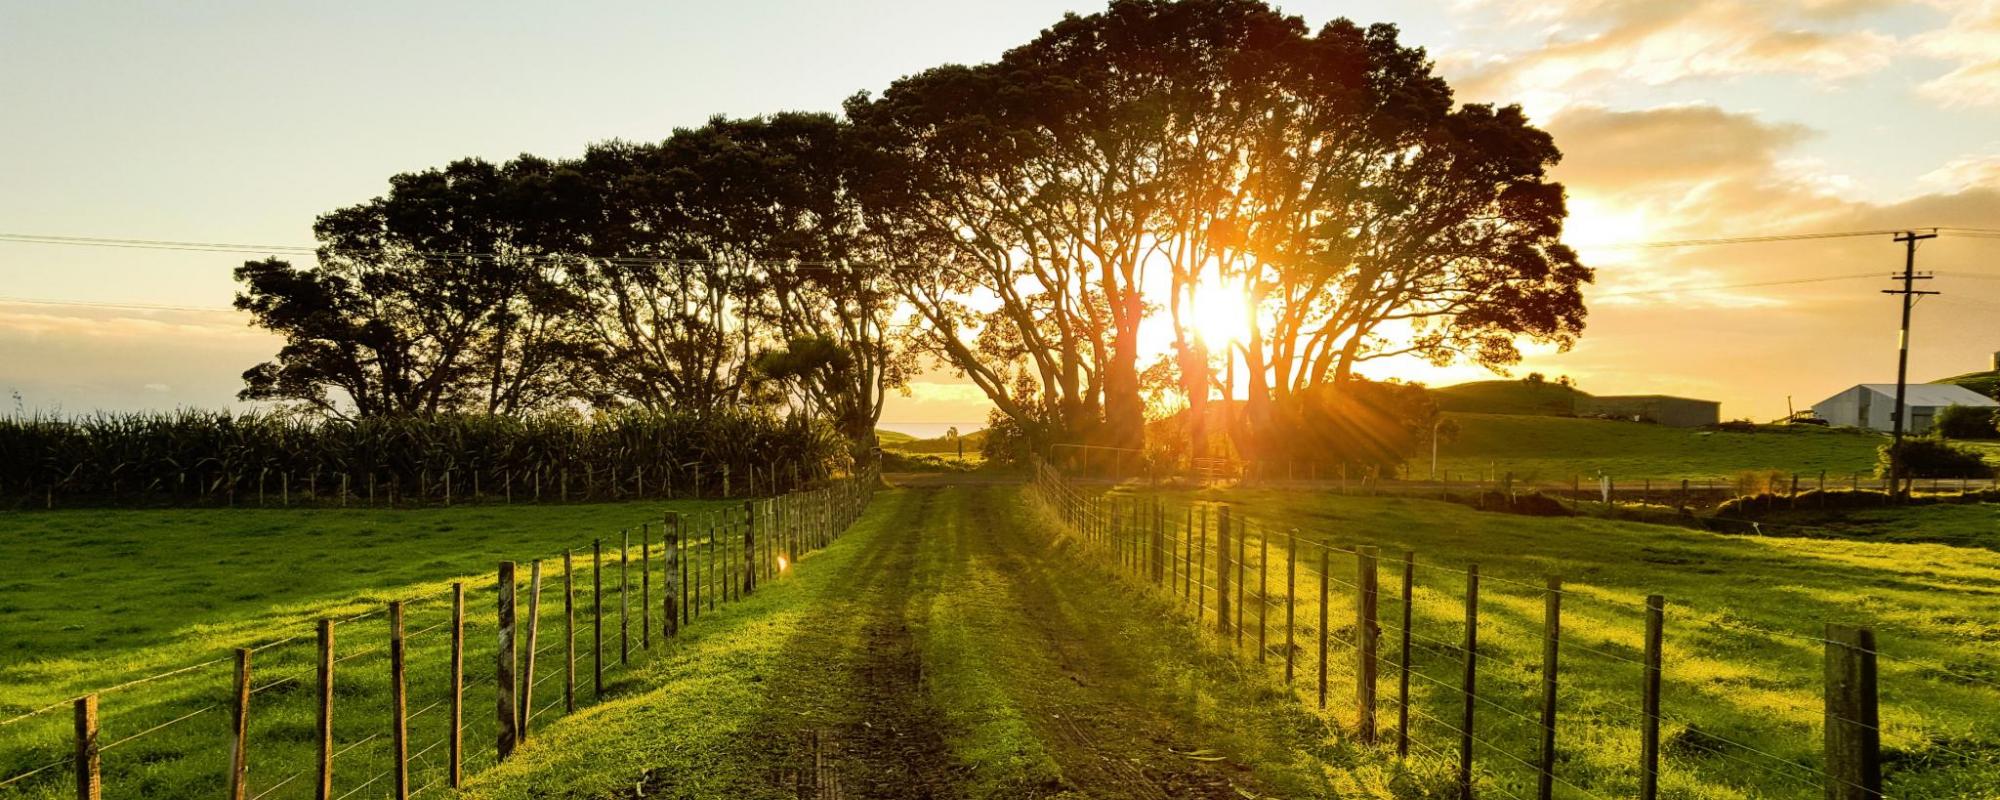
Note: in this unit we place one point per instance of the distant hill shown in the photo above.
(1509, 397)
(892, 438)
(1986, 383)
(975, 442)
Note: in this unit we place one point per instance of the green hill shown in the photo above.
(1986, 383)
(1555, 449)
(893, 438)
(1509, 397)
(974, 443)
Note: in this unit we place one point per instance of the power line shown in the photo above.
(1684, 289)
(1754, 239)
(145, 307)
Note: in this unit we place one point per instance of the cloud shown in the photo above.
(1591, 46)
(1969, 172)
(1971, 41)
(1680, 320)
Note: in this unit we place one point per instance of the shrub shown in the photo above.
(1933, 458)
(1966, 422)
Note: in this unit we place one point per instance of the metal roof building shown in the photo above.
(1870, 405)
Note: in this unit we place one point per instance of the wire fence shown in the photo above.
(1534, 688)
(374, 704)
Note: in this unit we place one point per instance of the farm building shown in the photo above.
(1673, 412)
(1869, 405)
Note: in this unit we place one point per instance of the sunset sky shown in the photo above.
(240, 122)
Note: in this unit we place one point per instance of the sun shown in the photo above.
(1219, 313)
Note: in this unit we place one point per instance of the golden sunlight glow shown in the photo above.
(783, 563)
(1218, 315)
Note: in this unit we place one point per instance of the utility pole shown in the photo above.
(1909, 292)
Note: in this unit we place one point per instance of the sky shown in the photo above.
(242, 121)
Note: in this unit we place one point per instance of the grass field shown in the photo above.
(958, 644)
(1743, 668)
(1556, 449)
(122, 595)
(1967, 525)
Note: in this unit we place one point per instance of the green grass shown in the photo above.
(121, 595)
(892, 438)
(974, 442)
(1743, 669)
(1556, 449)
(1968, 525)
(1986, 383)
(1019, 642)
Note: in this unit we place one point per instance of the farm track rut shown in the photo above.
(859, 713)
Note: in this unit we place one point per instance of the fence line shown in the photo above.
(1128, 536)
(739, 547)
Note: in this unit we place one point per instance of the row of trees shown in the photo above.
(1015, 221)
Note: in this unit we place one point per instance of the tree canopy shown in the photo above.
(1017, 221)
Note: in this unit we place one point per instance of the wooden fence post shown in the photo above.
(454, 768)
(1649, 735)
(239, 728)
(1291, 597)
(1551, 648)
(596, 618)
(1222, 573)
(503, 677)
(1159, 543)
(1853, 738)
(89, 782)
(1242, 573)
(1471, 680)
(1403, 657)
(749, 548)
(323, 729)
(534, 640)
(624, 595)
(1187, 560)
(1366, 635)
(1263, 592)
(646, 586)
(569, 632)
(670, 546)
(1325, 579)
(399, 707)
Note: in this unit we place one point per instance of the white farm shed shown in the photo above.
(1870, 405)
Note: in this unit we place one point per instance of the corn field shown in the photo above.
(216, 458)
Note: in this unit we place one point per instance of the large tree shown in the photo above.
(433, 297)
(1330, 174)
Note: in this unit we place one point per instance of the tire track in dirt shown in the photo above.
(847, 716)
(1103, 723)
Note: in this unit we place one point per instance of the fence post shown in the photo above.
(1242, 582)
(399, 707)
(1853, 739)
(670, 554)
(89, 785)
(1471, 680)
(323, 730)
(1403, 657)
(596, 618)
(1187, 560)
(239, 728)
(534, 643)
(456, 736)
(1325, 578)
(1649, 736)
(749, 548)
(1551, 647)
(503, 677)
(1222, 573)
(1291, 597)
(646, 586)
(1366, 635)
(569, 632)
(1159, 543)
(624, 597)
(1263, 592)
